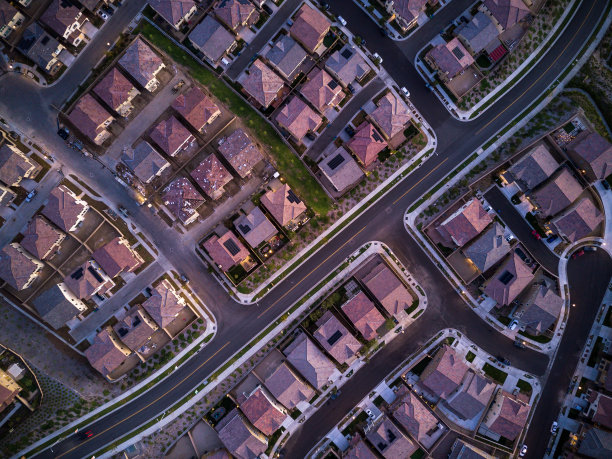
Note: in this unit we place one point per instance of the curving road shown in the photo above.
(28, 107)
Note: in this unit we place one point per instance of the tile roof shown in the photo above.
(173, 11)
(542, 310)
(335, 338)
(467, 222)
(40, 238)
(211, 38)
(535, 167)
(358, 449)
(596, 443)
(171, 135)
(144, 161)
(286, 55)
(462, 450)
(262, 413)
(309, 27)
(603, 413)
(164, 304)
(211, 175)
(347, 65)
(488, 248)
(409, 10)
(322, 91)
(135, 329)
(451, 58)
(196, 107)
(578, 221)
(412, 414)
(54, 306)
(115, 89)
(364, 315)
(255, 227)
(235, 13)
(473, 397)
(63, 208)
(444, 373)
(141, 62)
(9, 389)
(6, 196)
(367, 143)
(509, 280)
(241, 152)
(89, 116)
(17, 267)
(60, 15)
(90, 4)
(508, 416)
(86, 280)
(14, 165)
(595, 150)
(226, 250)
(287, 387)
(507, 12)
(388, 289)
(479, 32)
(7, 13)
(312, 364)
(391, 115)
(117, 257)
(341, 169)
(38, 45)
(182, 199)
(283, 204)
(389, 440)
(261, 83)
(239, 438)
(104, 355)
(558, 193)
(298, 118)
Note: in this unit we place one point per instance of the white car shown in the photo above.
(513, 325)
(342, 21)
(103, 15)
(523, 451)
(405, 91)
(377, 57)
(369, 413)
(555, 428)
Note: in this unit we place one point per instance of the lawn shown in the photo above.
(495, 373)
(288, 164)
(470, 356)
(524, 386)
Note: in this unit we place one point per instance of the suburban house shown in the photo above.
(558, 193)
(64, 209)
(10, 19)
(88, 280)
(592, 154)
(366, 144)
(312, 364)
(225, 250)
(298, 118)
(135, 330)
(261, 83)
(474, 396)
(107, 353)
(240, 152)
(532, 169)
(262, 411)
(363, 314)
(44, 50)
(117, 257)
(171, 136)
(164, 305)
(211, 176)
(240, 438)
(406, 12)
(465, 223)
(463, 450)
(67, 21)
(41, 239)
(286, 55)
(58, 305)
(509, 281)
(336, 339)
(411, 413)
(182, 200)
(479, 34)
(197, 108)
(309, 28)
(347, 65)
(142, 64)
(487, 249)
(600, 410)
(89, 117)
(578, 221)
(322, 91)
(284, 205)
(117, 92)
(507, 416)
(596, 443)
(212, 39)
(391, 115)
(15, 166)
(540, 311)
(236, 14)
(287, 387)
(505, 13)
(389, 441)
(450, 59)
(18, 268)
(444, 373)
(358, 449)
(9, 390)
(175, 12)
(7, 196)
(339, 167)
(144, 161)
(255, 227)
(388, 289)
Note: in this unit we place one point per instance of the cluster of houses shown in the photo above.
(18, 388)
(15, 166)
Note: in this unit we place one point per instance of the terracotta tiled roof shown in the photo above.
(410, 412)
(287, 387)
(534, 168)
(59, 16)
(226, 250)
(115, 89)
(135, 329)
(141, 62)
(509, 280)
(117, 257)
(391, 115)
(389, 440)
(473, 398)
(17, 267)
(467, 222)
(144, 161)
(340, 169)
(262, 413)
(364, 315)
(603, 413)
(164, 304)
(322, 90)
(240, 151)
(444, 373)
(298, 118)
(283, 204)
(508, 416)
(286, 55)
(507, 12)
(312, 364)
(89, 117)
(388, 289)
(558, 193)
(243, 441)
(367, 143)
(542, 310)
(358, 449)
(171, 135)
(196, 107)
(335, 338)
(182, 199)
(14, 166)
(236, 13)
(211, 38)
(595, 151)
(408, 9)
(211, 176)
(579, 221)
(104, 355)
(255, 227)
(54, 306)
(347, 65)
(451, 58)
(309, 27)
(41, 239)
(489, 248)
(86, 280)
(173, 11)
(261, 83)
(63, 209)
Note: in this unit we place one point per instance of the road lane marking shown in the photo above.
(146, 406)
(544, 72)
(422, 178)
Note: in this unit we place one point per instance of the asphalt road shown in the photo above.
(238, 324)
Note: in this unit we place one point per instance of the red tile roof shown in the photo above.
(388, 289)
(63, 208)
(298, 118)
(241, 152)
(104, 355)
(467, 222)
(261, 83)
(17, 267)
(59, 16)
(358, 449)
(226, 250)
(262, 413)
(603, 413)
(87, 280)
(473, 398)
(390, 442)
(135, 329)
(409, 9)
(595, 151)
(196, 107)
(451, 58)
(444, 373)
(255, 227)
(14, 165)
(144, 161)
(117, 257)
(236, 13)
(335, 338)
(364, 315)
(579, 221)
(115, 89)
(173, 11)
(283, 204)
(508, 416)
(182, 199)
(509, 280)
(507, 12)
(164, 304)
(367, 143)
(391, 115)
(534, 167)
(141, 62)
(41, 239)
(171, 135)
(312, 364)
(88, 116)
(322, 90)
(211, 175)
(557, 194)
(309, 27)
(410, 412)
(287, 387)
(237, 435)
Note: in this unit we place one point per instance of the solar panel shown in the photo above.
(334, 338)
(136, 321)
(77, 274)
(458, 53)
(95, 274)
(122, 332)
(376, 136)
(244, 229)
(231, 246)
(347, 53)
(332, 84)
(336, 161)
(291, 197)
(506, 277)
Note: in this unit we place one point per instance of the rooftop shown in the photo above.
(89, 117)
(286, 55)
(391, 115)
(595, 150)
(390, 441)
(509, 280)
(283, 204)
(63, 208)
(14, 165)
(262, 413)
(117, 257)
(322, 91)
(60, 15)
(182, 199)
(534, 167)
(444, 373)
(558, 193)
(341, 169)
(261, 83)
(473, 397)
(412, 414)
(358, 449)
(41, 238)
(115, 89)
(578, 221)
(211, 175)
(235, 13)
(86, 280)
(467, 222)
(347, 64)
(17, 267)
(196, 107)
(239, 437)
(226, 250)
(306, 358)
(141, 62)
(409, 10)
(164, 304)
(364, 315)
(241, 152)
(287, 387)
(335, 338)
(507, 416)
(255, 227)
(367, 143)
(298, 118)
(211, 38)
(488, 248)
(144, 161)
(135, 329)
(451, 58)
(479, 32)
(507, 12)
(104, 354)
(309, 27)
(171, 135)
(173, 11)
(388, 289)
(542, 310)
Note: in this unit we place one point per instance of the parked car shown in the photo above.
(30, 196)
(509, 238)
(107, 9)
(351, 88)
(310, 136)
(522, 255)
(184, 279)
(579, 253)
(349, 130)
(369, 413)
(513, 324)
(535, 234)
(63, 133)
(124, 212)
(342, 21)
(377, 57)
(519, 343)
(555, 428)
(503, 360)
(523, 451)
(324, 5)
(590, 248)
(605, 184)
(552, 238)
(405, 91)
(103, 15)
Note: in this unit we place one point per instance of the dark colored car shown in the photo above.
(84, 435)
(349, 130)
(552, 238)
(383, 31)
(535, 234)
(605, 184)
(503, 360)
(63, 133)
(577, 254)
